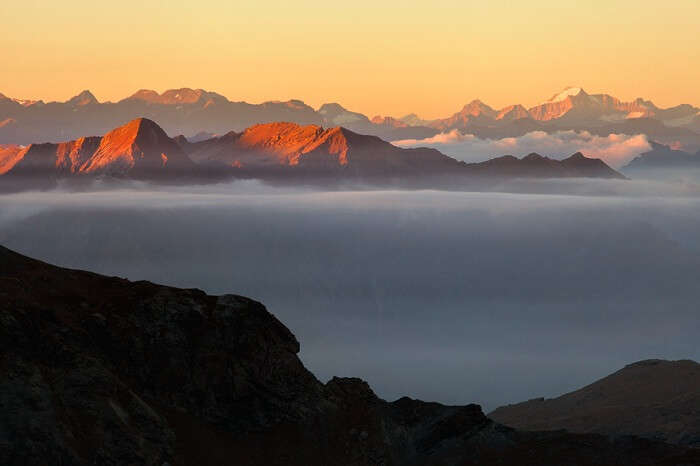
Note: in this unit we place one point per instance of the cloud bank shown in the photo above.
(616, 149)
(451, 296)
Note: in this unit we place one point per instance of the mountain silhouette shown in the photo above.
(653, 398)
(536, 165)
(662, 157)
(101, 370)
(192, 111)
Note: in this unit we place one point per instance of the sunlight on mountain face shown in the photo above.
(496, 296)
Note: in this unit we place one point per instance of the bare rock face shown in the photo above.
(100, 370)
(313, 148)
(138, 148)
(90, 362)
(279, 151)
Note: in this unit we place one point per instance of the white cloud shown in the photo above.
(616, 149)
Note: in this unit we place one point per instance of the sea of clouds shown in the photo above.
(450, 296)
(615, 149)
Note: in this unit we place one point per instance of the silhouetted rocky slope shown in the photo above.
(662, 157)
(100, 370)
(653, 398)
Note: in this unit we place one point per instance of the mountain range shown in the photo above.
(141, 149)
(662, 158)
(191, 111)
(101, 370)
(653, 399)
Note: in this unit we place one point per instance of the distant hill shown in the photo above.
(662, 157)
(536, 165)
(653, 398)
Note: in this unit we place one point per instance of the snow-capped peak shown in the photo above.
(566, 93)
(25, 102)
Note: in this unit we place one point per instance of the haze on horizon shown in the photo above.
(379, 58)
(455, 297)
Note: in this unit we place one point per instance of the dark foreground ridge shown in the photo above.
(101, 370)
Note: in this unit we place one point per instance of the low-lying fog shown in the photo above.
(450, 296)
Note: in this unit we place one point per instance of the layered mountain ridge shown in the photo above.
(662, 157)
(141, 148)
(191, 111)
(316, 148)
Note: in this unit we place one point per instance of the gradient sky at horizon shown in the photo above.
(374, 57)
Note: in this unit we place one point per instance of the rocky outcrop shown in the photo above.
(100, 370)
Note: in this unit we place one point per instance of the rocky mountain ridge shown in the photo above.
(141, 149)
(191, 111)
(101, 370)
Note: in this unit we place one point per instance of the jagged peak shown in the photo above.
(566, 93)
(577, 156)
(476, 104)
(532, 156)
(144, 94)
(136, 130)
(515, 111)
(388, 120)
(84, 98)
(280, 126)
(183, 95)
(331, 107)
(292, 103)
(476, 108)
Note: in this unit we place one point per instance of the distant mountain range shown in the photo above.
(141, 149)
(192, 111)
(662, 157)
(654, 399)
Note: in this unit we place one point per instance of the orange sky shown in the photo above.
(384, 57)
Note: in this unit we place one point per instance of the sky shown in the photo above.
(388, 58)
